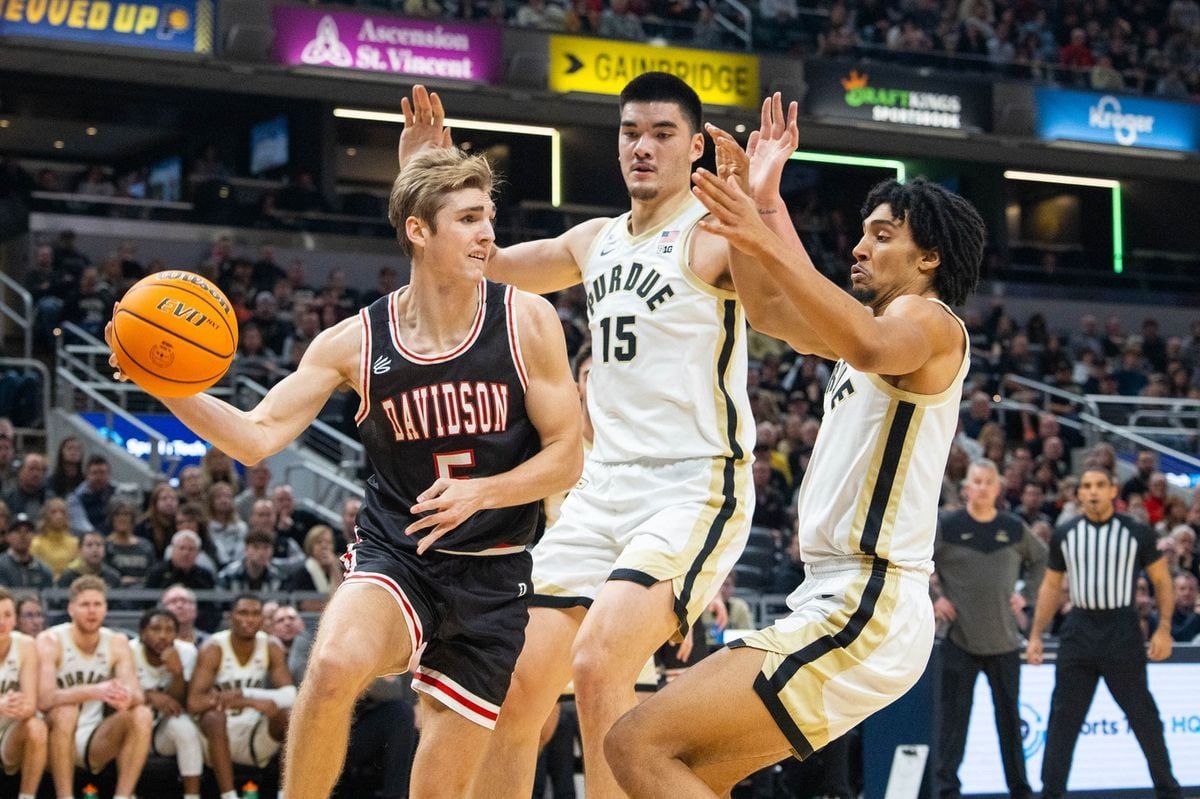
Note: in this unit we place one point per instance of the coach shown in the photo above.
(1100, 554)
(979, 556)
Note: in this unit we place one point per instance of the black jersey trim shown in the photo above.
(886, 477)
(729, 504)
(634, 576)
(562, 602)
(728, 322)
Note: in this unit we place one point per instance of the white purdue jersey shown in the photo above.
(76, 668)
(10, 669)
(875, 478)
(233, 674)
(157, 678)
(668, 377)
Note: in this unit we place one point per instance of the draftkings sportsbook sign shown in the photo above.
(889, 96)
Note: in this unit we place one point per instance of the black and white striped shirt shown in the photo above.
(1102, 560)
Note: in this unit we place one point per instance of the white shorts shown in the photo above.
(178, 736)
(859, 636)
(7, 727)
(685, 521)
(85, 728)
(250, 741)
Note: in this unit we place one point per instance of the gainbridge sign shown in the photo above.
(895, 97)
(604, 66)
(179, 25)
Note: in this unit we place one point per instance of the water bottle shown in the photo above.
(91, 792)
(250, 790)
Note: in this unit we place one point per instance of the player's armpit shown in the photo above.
(545, 265)
(332, 360)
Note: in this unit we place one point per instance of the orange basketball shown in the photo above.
(174, 334)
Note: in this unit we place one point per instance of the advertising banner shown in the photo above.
(1118, 120)
(1107, 756)
(179, 25)
(376, 43)
(896, 97)
(180, 443)
(604, 66)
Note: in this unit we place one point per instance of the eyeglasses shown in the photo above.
(32, 614)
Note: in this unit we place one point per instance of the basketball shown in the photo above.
(174, 334)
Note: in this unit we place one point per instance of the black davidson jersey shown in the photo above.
(459, 414)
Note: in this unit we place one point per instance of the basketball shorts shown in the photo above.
(8, 727)
(85, 730)
(179, 737)
(684, 521)
(466, 617)
(250, 741)
(859, 636)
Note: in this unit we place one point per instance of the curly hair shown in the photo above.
(938, 220)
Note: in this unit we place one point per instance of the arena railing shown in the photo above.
(69, 383)
(320, 489)
(24, 434)
(22, 317)
(83, 203)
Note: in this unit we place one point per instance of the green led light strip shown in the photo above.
(1118, 213)
(854, 160)
(474, 124)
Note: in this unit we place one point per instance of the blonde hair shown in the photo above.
(421, 187)
(314, 534)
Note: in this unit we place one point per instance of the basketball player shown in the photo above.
(164, 664)
(22, 733)
(89, 692)
(664, 507)
(243, 721)
(862, 625)
(458, 378)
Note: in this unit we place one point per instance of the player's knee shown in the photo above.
(141, 719)
(36, 731)
(333, 675)
(212, 723)
(591, 669)
(622, 747)
(62, 719)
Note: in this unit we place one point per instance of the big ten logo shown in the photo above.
(180, 310)
(1033, 730)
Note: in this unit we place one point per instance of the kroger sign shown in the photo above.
(1118, 120)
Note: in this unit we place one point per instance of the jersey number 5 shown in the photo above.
(626, 340)
(446, 462)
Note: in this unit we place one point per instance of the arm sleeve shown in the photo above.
(1147, 544)
(1055, 558)
(282, 697)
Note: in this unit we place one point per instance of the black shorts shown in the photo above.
(466, 617)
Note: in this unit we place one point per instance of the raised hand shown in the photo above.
(424, 124)
(733, 215)
(732, 160)
(770, 147)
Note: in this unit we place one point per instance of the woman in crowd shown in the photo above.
(321, 570)
(55, 544)
(68, 467)
(157, 524)
(225, 528)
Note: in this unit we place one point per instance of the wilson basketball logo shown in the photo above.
(162, 354)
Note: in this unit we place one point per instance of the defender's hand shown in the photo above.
(424, 125)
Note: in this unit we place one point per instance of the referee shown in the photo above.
(1100, 553)
(979, 556)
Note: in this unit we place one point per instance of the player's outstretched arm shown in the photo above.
(545, 265)
(905, 338)
(759, 169)
(552, 402)
(332, 360)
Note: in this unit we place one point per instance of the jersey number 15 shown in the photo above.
(625, 347)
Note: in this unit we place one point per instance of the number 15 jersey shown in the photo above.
(668, 377)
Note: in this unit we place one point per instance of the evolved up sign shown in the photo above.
(896, 97)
